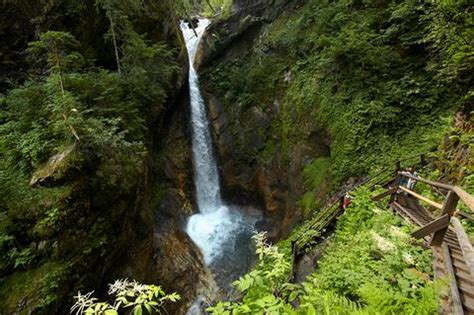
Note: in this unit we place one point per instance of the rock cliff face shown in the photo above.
(238, 30)
(254, 166)
(162, 252)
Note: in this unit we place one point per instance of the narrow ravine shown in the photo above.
(222, 232)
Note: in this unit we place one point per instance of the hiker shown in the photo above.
(346, 200)
(403, 179)
(412, 182)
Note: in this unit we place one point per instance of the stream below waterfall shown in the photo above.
(222, 231)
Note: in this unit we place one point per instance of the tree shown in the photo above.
(117, 12)
(59, 49)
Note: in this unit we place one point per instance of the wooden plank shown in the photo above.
(465, 197)
(466, 215)
(449, 207)
(406, 212)
(420, 197)
(432, 227)
(466, 246)
(456, 298)
(385, 194)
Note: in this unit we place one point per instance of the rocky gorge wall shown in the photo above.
(255, 167)
(164, 253)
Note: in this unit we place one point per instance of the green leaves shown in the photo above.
(59, 48)
(142, 299)
(355, 275)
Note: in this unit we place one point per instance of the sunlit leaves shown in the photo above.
(128, 295)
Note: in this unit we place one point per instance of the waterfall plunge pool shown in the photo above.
(223, 232)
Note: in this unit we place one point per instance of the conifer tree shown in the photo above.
(59, 48)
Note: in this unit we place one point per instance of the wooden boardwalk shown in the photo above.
(438, 225)
(453, 254)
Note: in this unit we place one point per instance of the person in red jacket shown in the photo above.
(346, 201)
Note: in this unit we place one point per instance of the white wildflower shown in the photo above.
(398, 233)
(382, 243)
(376, 210)
(83, 302)
(408, 258)
(118, 286)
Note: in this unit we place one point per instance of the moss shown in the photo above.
(315, 172)
(32, 290)
(330, 65)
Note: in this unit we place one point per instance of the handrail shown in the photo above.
(465, 197)
(465, 244)
(384, 171)
(420, 197)
(462, 194)
(321, 214)
(456, 298)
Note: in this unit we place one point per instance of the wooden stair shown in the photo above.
(453, 253)
(411, 210)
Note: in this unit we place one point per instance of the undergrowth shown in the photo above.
(372, 266)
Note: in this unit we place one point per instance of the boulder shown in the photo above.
(54, 168)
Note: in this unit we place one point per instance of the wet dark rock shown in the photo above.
(254, 167)
(238, 32)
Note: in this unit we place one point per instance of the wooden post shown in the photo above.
(449, 206)
(432, 227)
(396, 182)
(397, 168)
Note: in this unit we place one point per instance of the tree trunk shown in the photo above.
(114, 39)
(61, 84)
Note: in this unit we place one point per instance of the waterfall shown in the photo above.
(215, 228)
(205, 168)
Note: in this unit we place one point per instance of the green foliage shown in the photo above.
(213, 7)
(380, 77)
(264, 287)
(74, 143)
(314, 173)
(41, 284)
(370, 267)
(59, 48)
(133, 296)
(217, 9)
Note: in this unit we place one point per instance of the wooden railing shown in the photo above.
(306, 238)
(439, 226)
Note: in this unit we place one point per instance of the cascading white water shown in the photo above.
(205, 169)
(215, 228)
